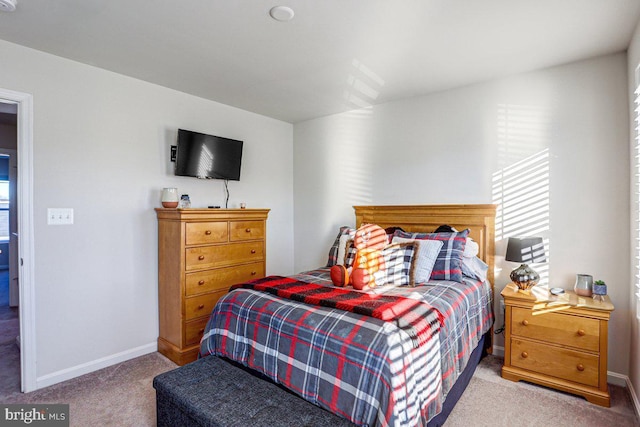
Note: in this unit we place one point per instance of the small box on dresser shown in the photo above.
(558, 342)
(201, 253)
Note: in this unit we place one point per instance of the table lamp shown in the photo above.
(525, 250)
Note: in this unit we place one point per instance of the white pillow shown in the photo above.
(428, 251)
(475, 268)
(342, 248)
(471, 248)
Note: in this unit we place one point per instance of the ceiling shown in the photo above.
(334, 56)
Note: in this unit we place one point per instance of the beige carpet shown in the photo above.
(122, 395)
(9, 330)
(9, 352)
(490, 400)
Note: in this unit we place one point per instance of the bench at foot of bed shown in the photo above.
(213, 392)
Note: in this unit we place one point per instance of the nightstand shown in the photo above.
(558, 342)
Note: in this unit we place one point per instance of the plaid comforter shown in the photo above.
(417, 318)
(357, 366)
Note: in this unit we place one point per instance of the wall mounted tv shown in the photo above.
(207, 156)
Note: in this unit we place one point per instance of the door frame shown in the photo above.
(27, 290)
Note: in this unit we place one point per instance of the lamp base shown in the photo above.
(525, 278)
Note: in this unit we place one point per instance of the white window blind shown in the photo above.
(636, 192)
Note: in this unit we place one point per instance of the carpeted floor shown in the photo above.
(122, 395)
(9, 330)
(490, 400)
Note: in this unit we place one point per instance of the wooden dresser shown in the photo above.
(201, 253)
(558, 342)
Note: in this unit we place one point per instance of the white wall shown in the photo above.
(633, 59)
(447, 147)
(101, 147)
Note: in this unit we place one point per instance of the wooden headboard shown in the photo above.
(480, 219)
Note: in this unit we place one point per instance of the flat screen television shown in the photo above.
(207, 156)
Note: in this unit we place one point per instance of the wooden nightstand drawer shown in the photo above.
(555, 361)
(222, 278)
(246, 230)
(219, 256)
(574, 331)
(194, 330)
(200, 233)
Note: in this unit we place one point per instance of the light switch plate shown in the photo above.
(60, 216)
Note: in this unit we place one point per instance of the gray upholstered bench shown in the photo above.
(213, 392)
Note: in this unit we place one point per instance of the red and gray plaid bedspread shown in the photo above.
(417, 318)
(357, 366)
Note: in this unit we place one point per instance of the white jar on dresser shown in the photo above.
(201, 253)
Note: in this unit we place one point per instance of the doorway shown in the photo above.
(9, 283)
(22, 251)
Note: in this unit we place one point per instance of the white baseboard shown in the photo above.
(634, 396)
(498, 351)
(617, 379)
(85, 368)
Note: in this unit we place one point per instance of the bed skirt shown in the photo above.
(461, 383)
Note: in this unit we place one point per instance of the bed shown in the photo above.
(371, 371)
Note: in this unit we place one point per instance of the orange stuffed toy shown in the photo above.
(369, 241)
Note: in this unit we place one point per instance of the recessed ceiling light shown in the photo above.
(7, 5)
(279, 13)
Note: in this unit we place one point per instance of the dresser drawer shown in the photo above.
(201, 233)
(563, 329)
(225, 255)
(194, 330)
(202, 305)
(222, 278)
(554, 361)
(246, 230)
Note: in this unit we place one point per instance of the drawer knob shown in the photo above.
(201, 306)
(253, 251)
(524, 355)
(581, 332)
(208, 232)
(201, 282)
(525, 322)
(580, 367)
(248, 230)
(201, 257)
(253, 273)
